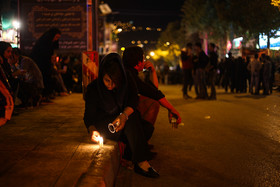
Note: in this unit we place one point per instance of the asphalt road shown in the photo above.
(232, 141)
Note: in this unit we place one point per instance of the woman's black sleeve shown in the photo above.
(148, 90)
(132, 92)
(90, 107)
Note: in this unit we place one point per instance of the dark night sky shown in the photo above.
(156, 13)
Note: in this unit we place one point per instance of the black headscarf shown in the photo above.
(3, 47)
(6, 67)
(112, 101)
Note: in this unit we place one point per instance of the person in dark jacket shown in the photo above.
(201, 61)
(41, 53)
(112, 98)
(212, 69)
(187, 66)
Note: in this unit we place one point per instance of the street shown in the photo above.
(233, 141)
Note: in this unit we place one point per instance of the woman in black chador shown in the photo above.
(42, 53)
(112, 98)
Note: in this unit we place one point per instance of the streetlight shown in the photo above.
(152, 53)
(119, 30)
(16, 25)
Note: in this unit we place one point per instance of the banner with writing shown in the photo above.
(70, 16)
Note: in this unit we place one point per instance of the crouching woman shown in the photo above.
(112, 98)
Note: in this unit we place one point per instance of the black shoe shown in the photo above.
(152, 173)
(186, 96)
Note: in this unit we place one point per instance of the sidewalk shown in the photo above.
(49, 146)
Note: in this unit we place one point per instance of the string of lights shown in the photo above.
(129, 27)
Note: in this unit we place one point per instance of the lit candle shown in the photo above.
(100, 141)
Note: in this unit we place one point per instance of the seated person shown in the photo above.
(31, 81)
(6, 99)
(112, 98)
(134, 63)
(6, 53)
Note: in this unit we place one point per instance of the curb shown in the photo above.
(104, 167)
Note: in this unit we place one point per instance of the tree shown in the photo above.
(170, 43)
(219, 17)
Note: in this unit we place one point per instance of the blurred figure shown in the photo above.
(31, 84)
(6, 99)
(201, 60)
(6, 53)
(212, 69)
(67, 73)
(254, 67)
(42, 53)
(228, 71)
(187, 66)
(59, 86)
(266, 74)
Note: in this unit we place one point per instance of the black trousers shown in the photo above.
(187, 80)
(135, 135)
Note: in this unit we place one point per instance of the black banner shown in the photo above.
(37, 16)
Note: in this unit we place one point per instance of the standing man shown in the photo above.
(254, 67)
(187, 66)
(212, 69)
(266, 74)
(201, 61)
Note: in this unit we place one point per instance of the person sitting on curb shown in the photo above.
(134, 63)
(112, 99)
(6, 99)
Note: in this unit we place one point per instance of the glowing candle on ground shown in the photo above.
(100, 141)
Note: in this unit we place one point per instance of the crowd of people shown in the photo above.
(31, 80)
(236, 75)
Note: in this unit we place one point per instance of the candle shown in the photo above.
(100, 141)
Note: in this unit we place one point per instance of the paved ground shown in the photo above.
(233, 141)
(49, 146)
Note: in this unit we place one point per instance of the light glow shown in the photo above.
(16, 24)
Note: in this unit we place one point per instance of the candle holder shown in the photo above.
(112, 127)
(174, 122)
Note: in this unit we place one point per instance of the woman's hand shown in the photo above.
(149, 65)
(174, 113)
(95, 136)
(121, 119)
(171, 110)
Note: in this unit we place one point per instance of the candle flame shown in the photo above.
(100, 140)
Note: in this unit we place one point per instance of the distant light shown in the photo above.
(152, 53)
(122, 48)
(146, 41)
(139, 42)
(133, 28)
(133, 42)
(159, 29)
(167, 43)
(16, 24)
(148, 57)
(119, 30)
(229, 45)
(140, 45)
(148, 28)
